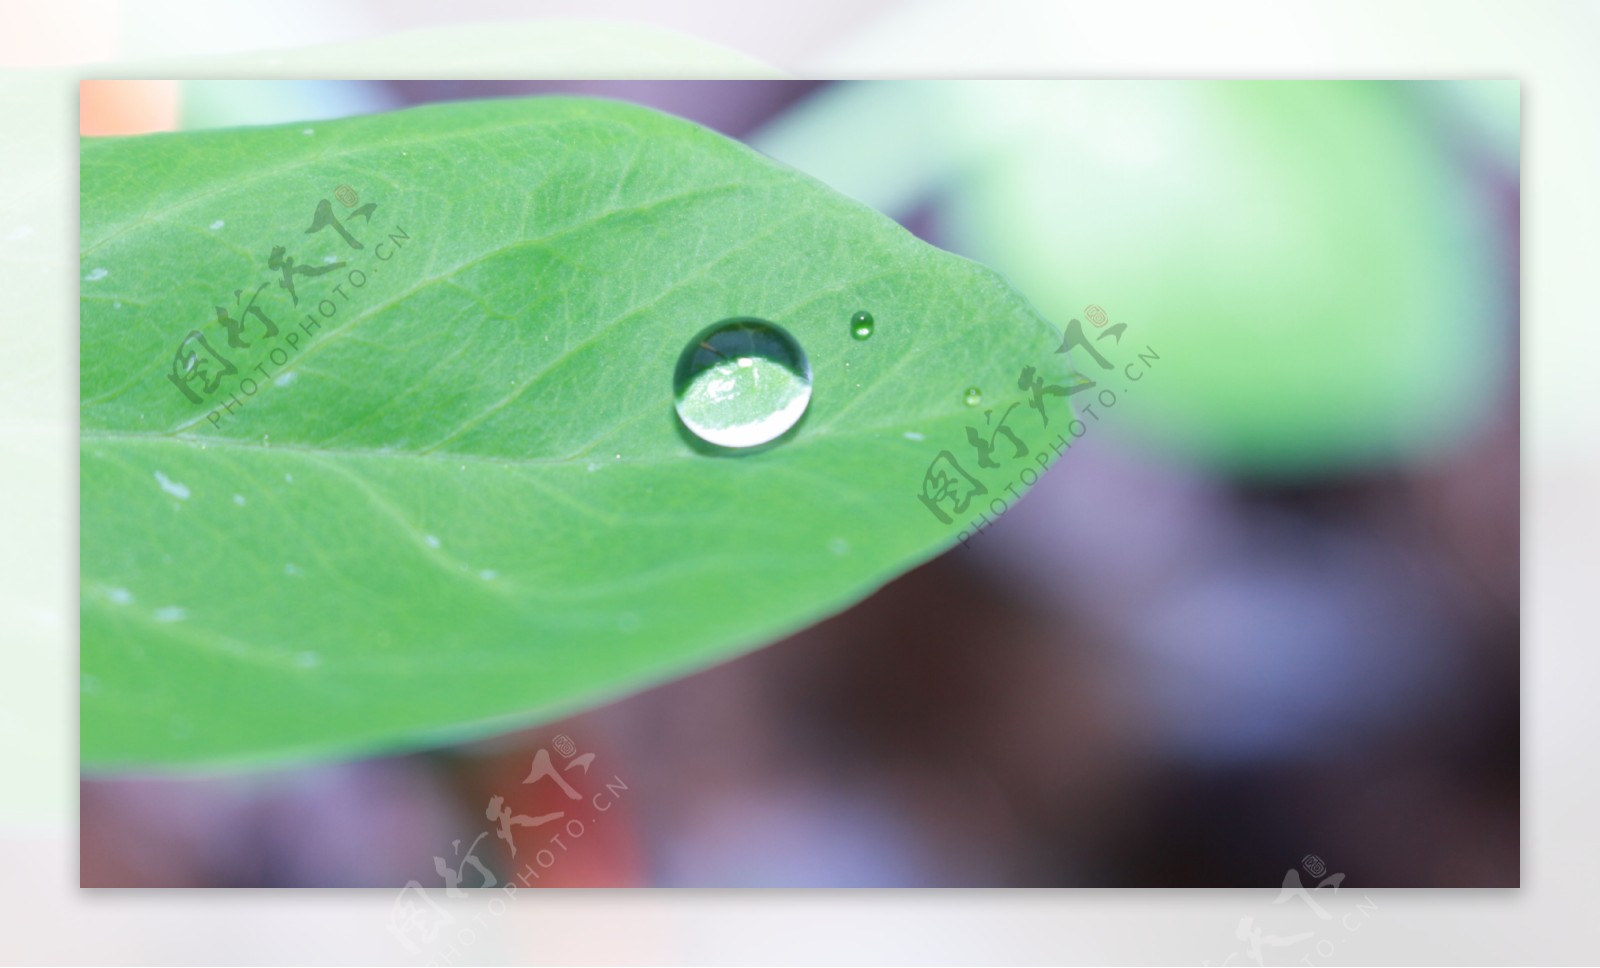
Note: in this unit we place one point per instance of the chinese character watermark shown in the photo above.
(1301, 943)
(250, 337)
(999, 446)
(423, 922)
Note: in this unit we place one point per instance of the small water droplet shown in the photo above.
(974, 397)
(430, 540)
(741, 383)
(172, 487)
(239, 499)
(861, 325)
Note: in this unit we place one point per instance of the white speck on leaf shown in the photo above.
(284, 379)
(913, 435)
(329, 260)
(839, 546)
(121, 596)
(290, 568)
(288, 478)
(170, 613)
(116, 304)
(307, 660)
(430, 540)
(308, 131)
(95, 275)
(219, 223)
(172, 487)
(239, 499)
(488, 575)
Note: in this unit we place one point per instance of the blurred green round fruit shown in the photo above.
(1322, 280)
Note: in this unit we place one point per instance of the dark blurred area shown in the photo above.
(1148, 673)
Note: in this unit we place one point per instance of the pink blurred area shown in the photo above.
(127, 107)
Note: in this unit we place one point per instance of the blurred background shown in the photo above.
(1267, 608)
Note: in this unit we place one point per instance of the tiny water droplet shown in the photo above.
(974, 397)
(861, 325)
(741, 383)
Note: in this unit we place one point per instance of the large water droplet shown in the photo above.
(741, 383)
(861, 325)
(974, 396)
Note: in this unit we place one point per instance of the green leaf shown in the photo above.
(451, 494)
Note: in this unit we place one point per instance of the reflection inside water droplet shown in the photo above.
(974, 396)
(741, 383)
(861, 325)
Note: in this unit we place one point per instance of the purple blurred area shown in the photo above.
(1145, 674)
